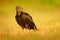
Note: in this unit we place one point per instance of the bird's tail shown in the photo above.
(35, 28)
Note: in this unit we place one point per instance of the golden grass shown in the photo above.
(48, 25)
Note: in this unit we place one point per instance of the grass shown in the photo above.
(48, 25)
(46, 15)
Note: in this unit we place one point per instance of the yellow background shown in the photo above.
(45, 13)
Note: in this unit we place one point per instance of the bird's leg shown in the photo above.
(22, 32)
(27, 27)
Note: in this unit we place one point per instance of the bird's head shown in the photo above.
(18, 9)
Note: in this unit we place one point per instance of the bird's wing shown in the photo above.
(30, 22)
(27, 16)
(16, 17)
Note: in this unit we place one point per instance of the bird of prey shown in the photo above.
(24, 19)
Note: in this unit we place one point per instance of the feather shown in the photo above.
(25, 21)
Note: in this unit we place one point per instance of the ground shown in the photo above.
(48, 25)
(45, 14)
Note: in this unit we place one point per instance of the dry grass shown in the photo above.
(48, 25)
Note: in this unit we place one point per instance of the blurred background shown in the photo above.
(45, 13)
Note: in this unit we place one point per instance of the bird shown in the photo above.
(24, 19)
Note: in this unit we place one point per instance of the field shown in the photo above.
(46, 16)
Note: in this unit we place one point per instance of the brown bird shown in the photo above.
(24, 19)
